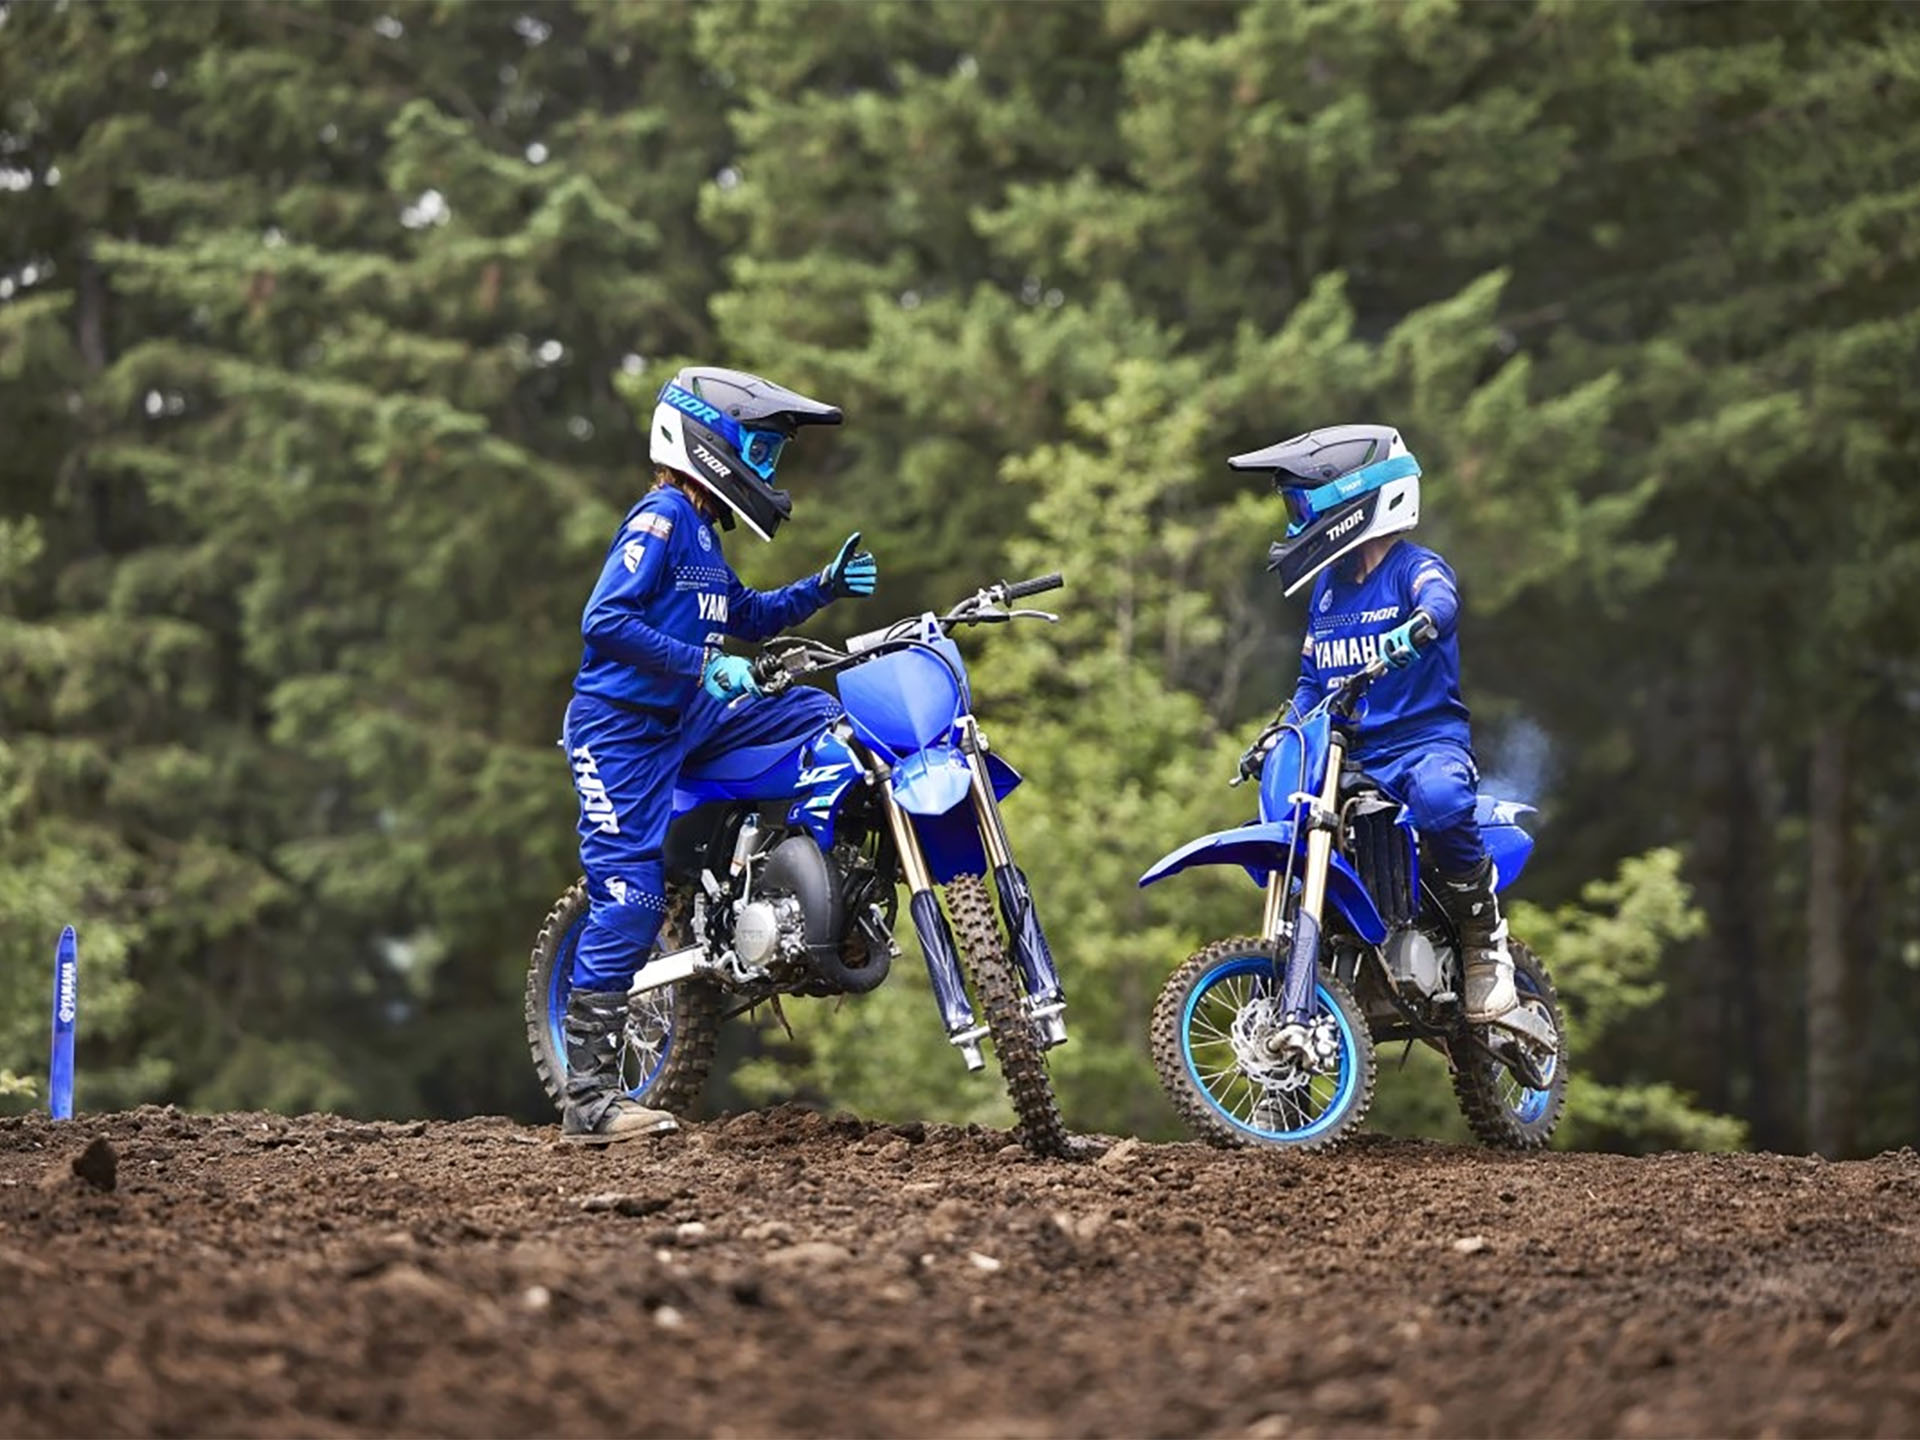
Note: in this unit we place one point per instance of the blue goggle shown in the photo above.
(1305, 506)
(759, 450)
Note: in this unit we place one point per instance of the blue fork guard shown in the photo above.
(943, 962)
(1261, 849)
(1037, 969)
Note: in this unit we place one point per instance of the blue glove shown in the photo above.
(1398, 646)
(853, 571)
(726, 676)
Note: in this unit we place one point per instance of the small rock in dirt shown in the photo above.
(1015, 1151)
(1079, 1228)
(1269, 1427)
(536, 1298)
(98, 1164)
(1123, 1154)
(621, 1203)
(984, 1263)
(668, 1318)
(810, 1255)
(895, 1151)
(1470, 1244)
(690, 1233)
(912, 1131)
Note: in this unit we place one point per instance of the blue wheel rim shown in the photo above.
(1346, 1074)
(560, 985)
(1527, 1105)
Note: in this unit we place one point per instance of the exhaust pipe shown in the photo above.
(667, 970)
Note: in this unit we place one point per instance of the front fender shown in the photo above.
(938, 778)
(1262, 848)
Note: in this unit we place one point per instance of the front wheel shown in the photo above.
(671, 1033)
(1502, 1110)
(1023, 1064)
(1211, 1025)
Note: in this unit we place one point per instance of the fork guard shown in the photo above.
(1262, 848)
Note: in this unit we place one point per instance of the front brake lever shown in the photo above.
(1046, 615)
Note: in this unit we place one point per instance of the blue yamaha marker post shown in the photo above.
(66, 1009)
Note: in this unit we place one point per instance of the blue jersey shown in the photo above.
(1345, 620)
(666, 598)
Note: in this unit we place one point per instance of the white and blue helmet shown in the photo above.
(724, 430)
(1344, 486)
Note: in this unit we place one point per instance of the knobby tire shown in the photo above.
(1023, 1063)
(696, 1009)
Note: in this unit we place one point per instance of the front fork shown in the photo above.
(936, 939)
(1046, 1001)
(1298, 968)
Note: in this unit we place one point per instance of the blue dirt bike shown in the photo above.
(783, 867)
(1269, 1039)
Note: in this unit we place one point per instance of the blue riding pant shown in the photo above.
(625, 765)
(1438, 783)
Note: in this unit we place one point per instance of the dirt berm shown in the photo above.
(787, 1273)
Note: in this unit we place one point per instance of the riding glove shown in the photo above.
(726, 676)
(852, 572)
(1399, 647)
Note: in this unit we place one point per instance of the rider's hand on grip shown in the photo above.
(770, 675)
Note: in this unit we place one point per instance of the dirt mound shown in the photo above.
(791, 1273)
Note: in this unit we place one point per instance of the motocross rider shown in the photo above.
(655, 692)
(1351, 491)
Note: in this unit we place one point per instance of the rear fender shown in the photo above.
(1262, 848)
(1506, 842)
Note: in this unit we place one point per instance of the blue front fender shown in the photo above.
(1261, 849)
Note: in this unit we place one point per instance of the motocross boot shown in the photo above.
(1487, 968)
(598, 1111)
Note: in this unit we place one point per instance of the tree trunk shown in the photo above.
(1830, 1102)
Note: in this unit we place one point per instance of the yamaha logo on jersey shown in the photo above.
(705, 533)
(713, 608)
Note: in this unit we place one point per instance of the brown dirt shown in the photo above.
(785, 1273)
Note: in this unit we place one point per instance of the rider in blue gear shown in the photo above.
(655, 694)
(1351, 492)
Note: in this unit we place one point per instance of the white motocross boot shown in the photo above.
(1487, 968)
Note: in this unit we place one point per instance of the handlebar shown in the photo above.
(785, 660)
(1339, 702)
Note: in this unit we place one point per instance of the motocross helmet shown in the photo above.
(1344, 486)
(724, 430)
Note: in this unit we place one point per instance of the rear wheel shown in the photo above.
(1023, 1063)
(671, 1033)
(1210, 1027)
(1501, 1109)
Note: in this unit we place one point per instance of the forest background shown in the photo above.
(327, 331)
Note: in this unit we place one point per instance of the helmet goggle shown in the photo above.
(1304, 505)
(760, 449)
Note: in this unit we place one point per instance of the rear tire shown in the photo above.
(682, 1021)
(1203, 1075)
(1023, 1063)
(1500, 1110)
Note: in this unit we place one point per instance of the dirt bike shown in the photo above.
(783, 867)
(1270, 1038)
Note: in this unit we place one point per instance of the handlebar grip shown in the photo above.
(770, 675)
(1020, 589)
(1426, 632)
